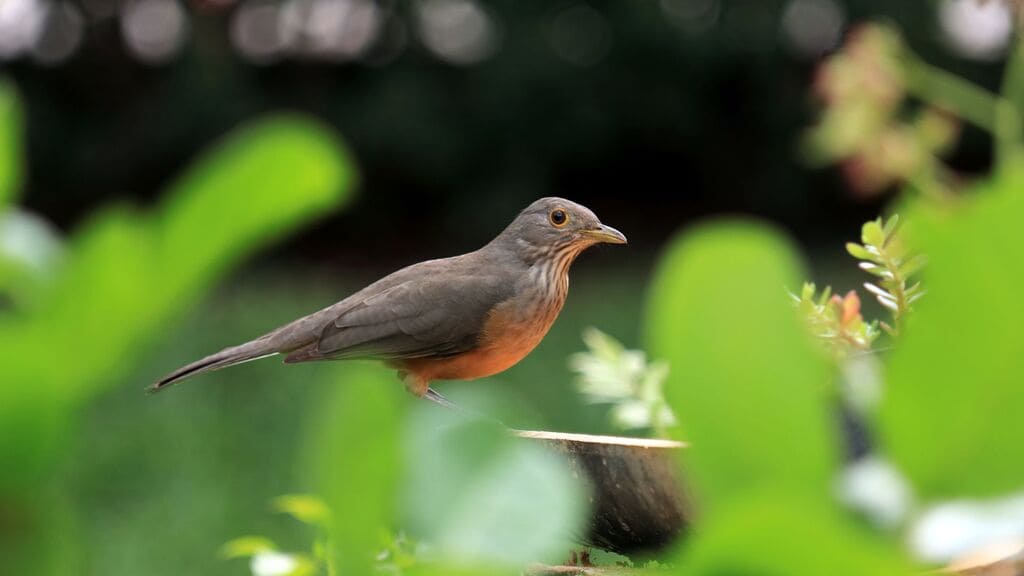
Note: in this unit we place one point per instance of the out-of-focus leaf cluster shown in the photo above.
(835, 320)
(750, 395)
(609, 373)
(748, 386)
(80, 311)
(867, 125)
(486, 501)
(265, 559)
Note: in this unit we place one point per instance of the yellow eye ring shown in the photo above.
(558, 218)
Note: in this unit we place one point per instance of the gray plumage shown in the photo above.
(433, 309)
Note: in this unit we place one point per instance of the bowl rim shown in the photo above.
(601, 439)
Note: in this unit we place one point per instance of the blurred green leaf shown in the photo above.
(355, 460)
(126, 274)
(747, 386)
(261, 181)
(772, 534)
(30, 252)
(246, 546)
(948, 416)
(10, 143)
(304, 508)
(484, 496)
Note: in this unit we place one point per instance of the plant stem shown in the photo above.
(967, 100)
(1008, 132)
(898, 290)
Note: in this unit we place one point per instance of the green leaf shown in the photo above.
(914, 265)
(859, 252)
(355, 460)
(890, 225)
(127, 273)
(10, 143)
(778, 533)
(875, 270)
(872, 233)
(747, 384)
(257, 184)
(304, 508)
(246, 546)
(954, 384)
(484, 496)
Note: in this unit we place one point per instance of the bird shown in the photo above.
(459, 318)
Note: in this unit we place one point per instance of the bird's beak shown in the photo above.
(605, 234)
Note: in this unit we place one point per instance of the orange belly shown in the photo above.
(507, 339)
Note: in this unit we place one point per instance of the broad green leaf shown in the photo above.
(768, 533)
(746, 383)
(355, 459)
(126, 273)
(246, 546)
(484, 496)
(10, 143)
(304, 508)
(261, 181)
(950, 416)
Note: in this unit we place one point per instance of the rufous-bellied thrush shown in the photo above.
(457, 318)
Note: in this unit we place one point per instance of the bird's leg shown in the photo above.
(414, 384)
(421, 388)
(435, 396)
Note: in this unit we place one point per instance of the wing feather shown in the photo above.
(414, 319)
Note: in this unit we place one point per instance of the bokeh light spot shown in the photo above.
(258, 31)
(812, 27)
(977, 30)
(154, 30)
(21, 22)
(457, 31)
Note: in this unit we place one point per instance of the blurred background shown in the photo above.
(456, 114)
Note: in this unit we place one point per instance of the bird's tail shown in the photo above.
(259, 348)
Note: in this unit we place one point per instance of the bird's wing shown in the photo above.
(414, 319)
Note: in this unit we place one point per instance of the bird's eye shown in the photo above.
(558, 218)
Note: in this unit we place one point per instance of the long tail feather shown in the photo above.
(227, 357)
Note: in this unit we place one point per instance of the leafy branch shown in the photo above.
(836, 320)
(884, 255)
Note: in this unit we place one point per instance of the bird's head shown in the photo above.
(555, 226)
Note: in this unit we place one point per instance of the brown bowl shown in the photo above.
(639, 502)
